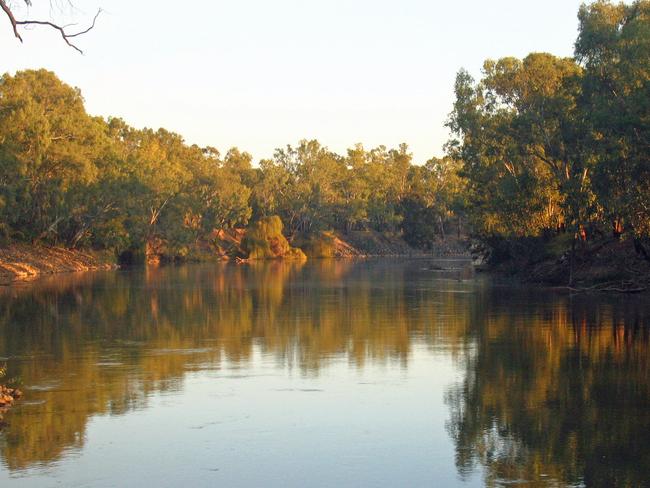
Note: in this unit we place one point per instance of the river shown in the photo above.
(328, 373)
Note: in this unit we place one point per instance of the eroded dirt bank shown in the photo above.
(20, 262)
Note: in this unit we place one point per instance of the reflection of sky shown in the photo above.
(268, 425)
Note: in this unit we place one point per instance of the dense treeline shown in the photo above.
(75, 180)
(552, 144)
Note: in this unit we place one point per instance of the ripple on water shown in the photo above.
(44, 386)
(169, 351)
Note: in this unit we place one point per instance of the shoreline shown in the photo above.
(24, 263)
(605, 265)
(21, 262)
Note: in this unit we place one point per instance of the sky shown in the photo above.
(261, 74)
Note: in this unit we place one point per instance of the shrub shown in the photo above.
(264, 240)
(320, 245)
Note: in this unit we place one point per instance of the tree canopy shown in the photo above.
(72, 179)
(548, 143)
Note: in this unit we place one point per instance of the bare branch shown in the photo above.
(92, 26)
(10, 14)
(62, 29)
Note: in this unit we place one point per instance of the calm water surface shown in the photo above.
(331, 373)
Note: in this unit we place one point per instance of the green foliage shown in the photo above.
(318, 245)
(48, 148)
(71, 179)
(519, 143)
(548, 144)
(434, 204)
(264, 240)
(81, 181)
(314, 190)
(614, 47)
(420, 224)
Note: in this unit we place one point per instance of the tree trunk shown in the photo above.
(617, 228)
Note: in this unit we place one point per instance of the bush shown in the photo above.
(264, 240)
(320, 245)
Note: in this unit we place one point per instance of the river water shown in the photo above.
(328, 373)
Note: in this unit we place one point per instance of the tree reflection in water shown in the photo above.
(102, 343)
(555, 390)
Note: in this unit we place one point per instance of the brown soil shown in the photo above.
(227, 242)
(20, 262)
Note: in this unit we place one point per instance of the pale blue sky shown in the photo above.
(259, 74)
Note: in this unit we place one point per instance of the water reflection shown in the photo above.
(554, 390)
(101, 343)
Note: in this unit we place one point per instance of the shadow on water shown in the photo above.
(554, 389)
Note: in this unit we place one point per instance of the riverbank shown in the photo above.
(605, 264)
(354, 244)
(23, 262)
(375, 244)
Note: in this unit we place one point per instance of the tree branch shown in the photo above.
(62, 29)
(89, 28)
(12, 19)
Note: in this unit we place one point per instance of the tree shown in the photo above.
(433, 203)
(386, 173)
(217, 194)
(521, 139)
(614, 47)
(48, 146)
(355, 190)
(302, 185)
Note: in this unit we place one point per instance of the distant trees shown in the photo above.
(313, 189)
(71, 179)
(434, 205)
(550, 143)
